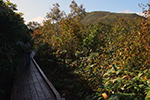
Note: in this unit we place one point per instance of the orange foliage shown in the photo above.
(105, 96)
(36, 34)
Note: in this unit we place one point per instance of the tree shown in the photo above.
(77, 11)
(33, 25)
(13, 32)
(55, 14)
(63, 31)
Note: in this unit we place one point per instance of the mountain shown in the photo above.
(107, 17)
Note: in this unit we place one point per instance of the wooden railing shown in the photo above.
(57, 95)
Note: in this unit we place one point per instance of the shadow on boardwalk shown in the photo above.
(30, 85)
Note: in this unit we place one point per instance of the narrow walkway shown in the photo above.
(29, 85)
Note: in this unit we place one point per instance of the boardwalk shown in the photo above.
(30, 85)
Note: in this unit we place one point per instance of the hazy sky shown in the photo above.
(36, 9)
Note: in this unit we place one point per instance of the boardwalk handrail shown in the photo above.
(47, 81)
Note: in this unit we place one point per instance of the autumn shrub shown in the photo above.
(95, 36)
(122, 70)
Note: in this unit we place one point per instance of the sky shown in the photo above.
(36, 10)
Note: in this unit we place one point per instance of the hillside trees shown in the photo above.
(112, 59)
(122, 70)
(12, 30)
(62, 31)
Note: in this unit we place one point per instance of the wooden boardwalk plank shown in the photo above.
(44, 87)
(32, 88)
(30, 85)
(39, 89)
(57, 95)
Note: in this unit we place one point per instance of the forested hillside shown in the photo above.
(107, 17)
(95, 61)
(13, 32)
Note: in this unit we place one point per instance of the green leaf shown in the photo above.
(148, 96)
(114, 67)
(116, 86)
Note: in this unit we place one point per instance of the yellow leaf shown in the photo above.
(110, 66)
(124, 76)
(104, 96)
(118, 67)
